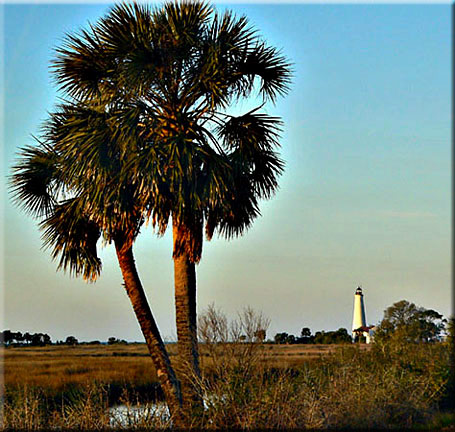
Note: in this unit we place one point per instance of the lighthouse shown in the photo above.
(359, 322)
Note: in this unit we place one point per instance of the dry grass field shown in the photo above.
(57, 366)
(251, 386)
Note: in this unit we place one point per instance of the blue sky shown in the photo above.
(365, 198)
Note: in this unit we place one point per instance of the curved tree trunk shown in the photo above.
(160, 357)
(186, 320)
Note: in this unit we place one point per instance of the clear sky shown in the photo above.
(365, 198)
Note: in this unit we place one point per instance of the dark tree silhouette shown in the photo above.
(71, 340)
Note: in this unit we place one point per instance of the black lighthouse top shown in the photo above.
(358, 291)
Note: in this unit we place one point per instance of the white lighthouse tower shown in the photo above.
(359, 322)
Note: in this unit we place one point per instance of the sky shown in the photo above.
(365, 197)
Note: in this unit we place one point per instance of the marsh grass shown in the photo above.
(56, 367)
(29, 408)
(348, 389)
(245, 387)
(398, 387)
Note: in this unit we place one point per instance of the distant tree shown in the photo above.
(281, 338)
(306, 332)
(71, 340)
(113, 340)
(332, 337)
(305, 336)
(319, 337)
(290, 339)
(342, 336)
(406, 322)
(450, 331)
(18, 337)
(41, 339)
(36, 339)
(27, 338)
(7, 337)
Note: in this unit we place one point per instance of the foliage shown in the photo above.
(349, 389)
(404, 323)
(321, 337)
(143, 132)
(450, 330)
(281, 338)
(260, 335)
(332, 337)
(7, 338)
(71, 340)
(113, 340)
(305, 333)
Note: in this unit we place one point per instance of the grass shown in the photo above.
(56, 367)
(250, 386)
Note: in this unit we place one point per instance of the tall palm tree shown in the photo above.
(152, 88)
(74, 182)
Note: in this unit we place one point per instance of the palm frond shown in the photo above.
(185, 20)
(82, 68)
(35, 180)
(73, 236)
(231, 58)
(235, 214)
(251, 139)
(254, 131)
(212, 70)
(94, 143)
(271, 67)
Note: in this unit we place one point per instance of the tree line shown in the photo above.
(10, 338)
(320, 337)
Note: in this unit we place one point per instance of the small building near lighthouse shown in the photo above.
(359, 322)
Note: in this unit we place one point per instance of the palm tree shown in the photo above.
(74, 182)
(146, 135)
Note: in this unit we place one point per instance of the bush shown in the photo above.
(348, 389)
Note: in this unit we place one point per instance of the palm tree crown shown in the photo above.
(149, 91)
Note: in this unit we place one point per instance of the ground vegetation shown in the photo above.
(249, 385)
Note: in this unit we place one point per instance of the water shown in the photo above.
(148, 415)
(154, 414)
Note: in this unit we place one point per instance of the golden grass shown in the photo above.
(55, 367)
(352, 388)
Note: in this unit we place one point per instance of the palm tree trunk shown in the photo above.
(158, 353)
(186, 320)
